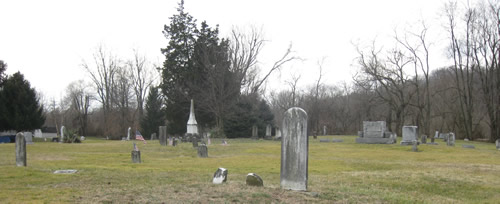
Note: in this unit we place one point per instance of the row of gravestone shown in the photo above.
(268, 136)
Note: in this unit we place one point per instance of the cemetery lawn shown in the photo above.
(338, 173)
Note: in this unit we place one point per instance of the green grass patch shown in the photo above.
(338, 173)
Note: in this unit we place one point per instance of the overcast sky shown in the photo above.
(48, 40)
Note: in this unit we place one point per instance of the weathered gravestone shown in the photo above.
(424, 139)
(163, 135)
(268, 133)
(468, 146)
(62, 134)
(409, 134)
(220, 176)
(294, 150)
(136, 155)
(451, 139)
(28, 136)
(255, 132)
(203, 151)
(20, 149)
(497, 144)
(414, 146)
(374, 132)
(153, 136)
(254, 180)
(192, 125)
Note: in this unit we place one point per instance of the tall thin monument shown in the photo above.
(192, 125)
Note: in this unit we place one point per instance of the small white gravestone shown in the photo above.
(128, 133)
(437, 134)
(294, 150)
(38, 133)
(62, 134)
(82, 138)
(220, 176)
(65, 171)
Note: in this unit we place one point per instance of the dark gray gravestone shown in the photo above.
(220, 176)
(294, 150)
(20, 149)
(254, 180)
(424, 139)
(451, 139)
(136, 155)
(163, 135)
(203, 151)
(255, 132)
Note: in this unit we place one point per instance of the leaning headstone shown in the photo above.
(254, 180)
(414, 146)
(20, 150)
(497, 144)
(424, 139)
(162, 130)
(294, 150)
(409, 134)
(255, 132)
(469, 146)
(451, 139)
(220, 176)
(324, 140)
(136, 155)
(192, 125)
(203, 151)
(62, 134)
(268, 132)
(153, 136)
(28, 136)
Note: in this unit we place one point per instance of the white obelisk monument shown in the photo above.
(192, 125)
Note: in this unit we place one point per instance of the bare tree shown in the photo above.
(142, 78)
(102, 74)
(80, 99)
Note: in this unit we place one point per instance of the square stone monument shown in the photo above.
(374, 132)
(409, 134)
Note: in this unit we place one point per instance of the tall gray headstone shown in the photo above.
(20, 150)
(451, 139)
(163, 135)
(203, 151)
(128, 133)
(268, 132)
(294, 150)
(255, 132)
(409, 134)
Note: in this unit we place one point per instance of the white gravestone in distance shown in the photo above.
(128, 133)
(192, 125)
(294, 150)
(38, 133)
(62, 134)
(28, 136)
(409, 134)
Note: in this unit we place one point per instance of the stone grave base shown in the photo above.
(374, 140)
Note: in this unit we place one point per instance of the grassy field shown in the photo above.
(338, 173)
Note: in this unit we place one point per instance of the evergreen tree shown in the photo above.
(20, 109)
(3, 67)
(154, 113)
(177, 68)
